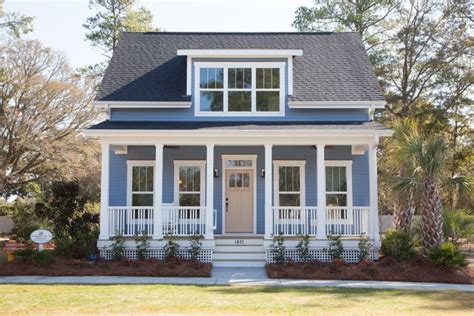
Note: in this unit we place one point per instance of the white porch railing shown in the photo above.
(345, 221)
(184, 220)
(129, 221)
(294, 220)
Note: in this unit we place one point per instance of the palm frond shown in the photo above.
(459, 183)
(403, 186)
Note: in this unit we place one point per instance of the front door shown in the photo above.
(239, 201)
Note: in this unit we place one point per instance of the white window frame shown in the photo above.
(276, 180)
(190, 163)
(138, 163)
(226, 66)
(348, 165)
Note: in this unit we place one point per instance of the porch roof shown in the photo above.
(280, 126)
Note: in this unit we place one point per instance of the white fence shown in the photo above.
(130, 221)
(294, 220)
(184, 220)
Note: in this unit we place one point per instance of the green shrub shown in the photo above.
(336, 249)
(142, 245)
(195, 246)
(81, 245)
(171, 248)
(118, 246)
(43, 258)
(398, 244)
(25, 253)
(447, 255)
(303, 248)
(25, 219)
(364, 249)
(458, 226)
(278, 249)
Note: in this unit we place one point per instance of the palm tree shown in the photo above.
(422, 161)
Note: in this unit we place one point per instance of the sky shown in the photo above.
(58, 24)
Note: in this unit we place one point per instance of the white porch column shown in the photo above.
(104, 193)
(268, 191)
(158, 193)
(374, 209)
(209, 192)
(321, 189)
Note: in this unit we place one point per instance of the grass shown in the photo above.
(155, 299)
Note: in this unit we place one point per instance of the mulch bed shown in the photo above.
(74, 267)
(386, 269)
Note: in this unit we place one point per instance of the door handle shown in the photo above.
(226, 204)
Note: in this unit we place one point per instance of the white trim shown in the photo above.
(321, 191)
(226, 157)
(274, 53)
(189, 163)
(268, 191)
(348, 165)
(104, 192)
(143, 104)
(265, 136)
(373, 192)
(290, 75)
(158, 191)
(225, 90)
(276, 179)
(137, 163)
(336, 104)
(189, 75)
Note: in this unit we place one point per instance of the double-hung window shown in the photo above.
(239, 89)
(338, 188)
(289, 183)
(140, 175)
(189, 183)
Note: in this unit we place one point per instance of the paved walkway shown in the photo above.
(238, 276)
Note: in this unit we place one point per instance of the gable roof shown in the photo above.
(334, 66)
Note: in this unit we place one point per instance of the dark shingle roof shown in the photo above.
(284, 125)
(334, 66)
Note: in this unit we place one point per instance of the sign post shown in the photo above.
(40, 237)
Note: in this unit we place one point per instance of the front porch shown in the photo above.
(191, 189)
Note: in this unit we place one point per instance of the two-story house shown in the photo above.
(239, 137)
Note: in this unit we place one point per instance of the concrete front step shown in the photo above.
(239, 256)
(238, 263)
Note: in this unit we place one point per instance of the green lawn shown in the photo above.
(55, 299)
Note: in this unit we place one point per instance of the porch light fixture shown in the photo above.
(262, 173)
(216, 173)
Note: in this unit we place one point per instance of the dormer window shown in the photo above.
(239, 89)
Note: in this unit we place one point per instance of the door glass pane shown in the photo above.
(212, 101)
(268, 101)
(142, 199)
(240, 101)
(246, 180)
(239, 163)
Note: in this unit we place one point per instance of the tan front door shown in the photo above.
(239, 201)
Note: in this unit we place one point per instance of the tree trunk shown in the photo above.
(404, 212)
(431, 217)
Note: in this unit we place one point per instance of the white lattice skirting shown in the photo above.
(349, 255)
(205, 255)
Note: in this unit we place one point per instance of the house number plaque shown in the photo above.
(239, 241)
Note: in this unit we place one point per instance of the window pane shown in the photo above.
(142, 199)
(268, 78)
(268, 101)
(190, 199)
(336, 179)
(289, 179)
(240, 101)
(336, 199)
(239, 163)
(142, 179)
(149, 179)
(189, 179)
(211, 78)
(240, 78)
(135, 178)
(212, 101)
(246, 180)
(289, 200)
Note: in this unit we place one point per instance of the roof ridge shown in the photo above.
(244, 33)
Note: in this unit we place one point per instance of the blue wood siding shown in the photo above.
(118, 172)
